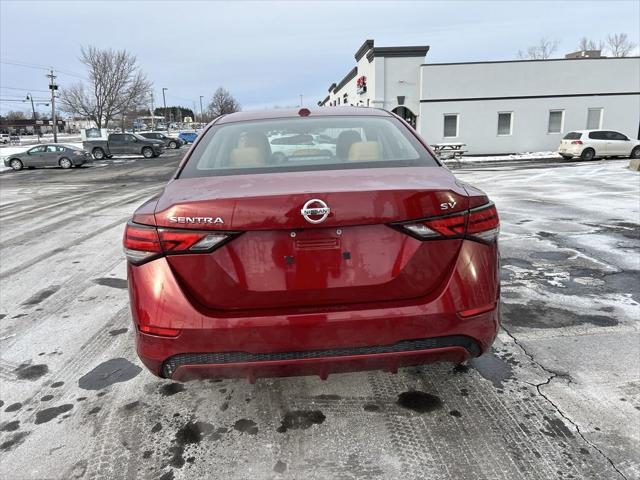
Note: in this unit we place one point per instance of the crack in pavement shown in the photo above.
(552, 376)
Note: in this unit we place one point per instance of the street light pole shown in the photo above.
(164, 113)
(153, 114)
(201, 112)
(33, 109)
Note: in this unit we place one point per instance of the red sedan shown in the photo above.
(311, 242)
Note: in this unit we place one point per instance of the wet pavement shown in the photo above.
(558, 397)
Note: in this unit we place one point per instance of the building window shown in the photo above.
(556, 119)
(450, 125)
(594, 119)
(505, 123)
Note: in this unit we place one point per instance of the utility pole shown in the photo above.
(33, 109)
(53, 87)
(201, 112)
(164, 113)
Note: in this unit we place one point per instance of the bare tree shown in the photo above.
(590, 44)
(542, 51)
(620, 45)
(222, 102)
(15, 115)
(116, 84)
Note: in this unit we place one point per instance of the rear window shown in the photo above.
(598, 135)
(573, 136)
(305, 144)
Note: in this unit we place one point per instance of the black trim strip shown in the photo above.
(366, 46)
(413, 51)
(523, 61)
(348, 77)
(170, 365)
(527, 97)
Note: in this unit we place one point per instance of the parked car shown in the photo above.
(124, 144)
(188, 137)
(372, 257)
(5, 138)
(169, 142)
(589, 144)
(49, 155)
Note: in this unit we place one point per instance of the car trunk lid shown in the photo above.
(280, 259)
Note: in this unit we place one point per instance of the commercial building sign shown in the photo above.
(361, 85)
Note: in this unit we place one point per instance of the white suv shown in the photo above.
(4, 138)
(588, 144)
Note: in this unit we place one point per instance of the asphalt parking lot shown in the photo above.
(559, 396)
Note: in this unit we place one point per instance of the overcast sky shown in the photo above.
(268, 53)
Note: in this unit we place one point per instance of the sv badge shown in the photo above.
(447, 205)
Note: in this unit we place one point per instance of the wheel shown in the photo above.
(16, 164)
(98, 153)
(635, 153)
(65, 163)
(147, 152)
(588, 154)
(173, 145)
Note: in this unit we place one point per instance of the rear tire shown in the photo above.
(98, 153)
(65, 163)
(16, 164)
(147, 152)
(635, 153)
(588, 154)
(173, 145)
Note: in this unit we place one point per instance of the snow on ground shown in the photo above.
(558, 397)
(506, 158)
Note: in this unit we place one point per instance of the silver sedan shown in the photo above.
(49, 155)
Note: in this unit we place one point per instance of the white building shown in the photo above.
(495, 107)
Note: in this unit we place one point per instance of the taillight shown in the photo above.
(483, 224)
(480, 224)
(576, 142)
(143, 243)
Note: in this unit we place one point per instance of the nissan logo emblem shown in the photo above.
(315, 211)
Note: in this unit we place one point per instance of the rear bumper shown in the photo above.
(386, 335)
(319, 362)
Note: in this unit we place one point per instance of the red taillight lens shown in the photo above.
(481, 224)
(576, 142)
(143, 243)
(160, 331)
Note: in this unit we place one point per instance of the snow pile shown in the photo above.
(508, 158)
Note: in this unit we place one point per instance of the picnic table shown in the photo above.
(449, 150)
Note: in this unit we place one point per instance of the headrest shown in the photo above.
(364, 152)
(247, 157)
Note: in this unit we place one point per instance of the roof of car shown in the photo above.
(293, 112)
(594, 130)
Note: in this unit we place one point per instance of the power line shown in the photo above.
(25, 65)
(36, 66)
(2, 87)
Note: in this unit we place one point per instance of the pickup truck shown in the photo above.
(123, 144)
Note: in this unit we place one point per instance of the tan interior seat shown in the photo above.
(253, 151)
(364, 152)
(247, 157)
